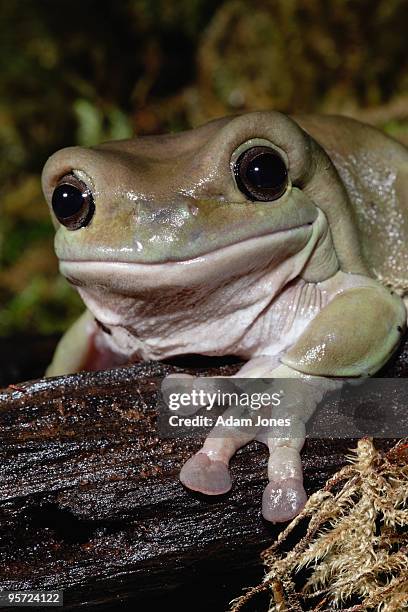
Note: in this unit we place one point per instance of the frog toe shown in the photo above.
(205, 475)
(283, 500)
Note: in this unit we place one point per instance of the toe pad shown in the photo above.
(283, 500)
(200, 473)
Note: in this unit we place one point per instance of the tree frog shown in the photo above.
(278, 239)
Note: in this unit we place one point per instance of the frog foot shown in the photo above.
(205, 475)
(283, 500)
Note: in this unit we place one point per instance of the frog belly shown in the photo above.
(264, 325)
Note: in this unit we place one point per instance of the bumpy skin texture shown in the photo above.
(177, 260)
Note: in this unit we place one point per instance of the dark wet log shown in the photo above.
(90, 500)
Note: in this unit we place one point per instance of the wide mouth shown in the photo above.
(238, 259)
(214, 252)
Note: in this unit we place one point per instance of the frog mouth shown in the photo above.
(260, 252)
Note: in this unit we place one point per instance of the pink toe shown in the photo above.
(283, 500)
(200, 473)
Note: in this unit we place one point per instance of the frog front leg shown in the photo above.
(83, 347)
(353, 336)
(208, 470)
(285, 496)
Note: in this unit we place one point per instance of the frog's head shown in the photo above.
(210, 200)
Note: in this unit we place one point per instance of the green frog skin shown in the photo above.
(282, 240)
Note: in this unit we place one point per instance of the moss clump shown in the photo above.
(353, 555)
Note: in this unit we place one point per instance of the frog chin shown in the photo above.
(214, 267)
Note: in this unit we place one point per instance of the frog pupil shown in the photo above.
(72, 203)
(266, 171)
(261, 174)
(67, 201)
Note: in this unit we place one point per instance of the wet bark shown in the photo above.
(90, 500)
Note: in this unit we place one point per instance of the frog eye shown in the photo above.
(72, 202)
(261, 174)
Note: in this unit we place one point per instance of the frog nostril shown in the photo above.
(193, 209)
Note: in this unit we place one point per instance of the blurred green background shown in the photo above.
(79, 72)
